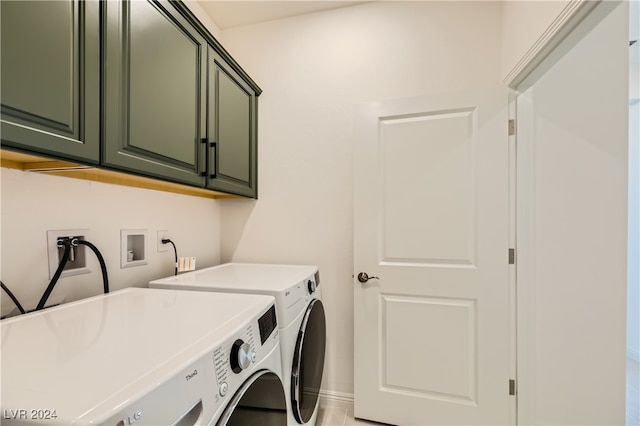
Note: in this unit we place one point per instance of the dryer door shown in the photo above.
(308, 362)
(260, 401)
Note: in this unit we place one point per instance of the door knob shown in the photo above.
(363, 277)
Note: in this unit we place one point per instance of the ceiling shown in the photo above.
(228, 14)
(235, 13)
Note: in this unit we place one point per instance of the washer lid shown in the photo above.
(85, 359)
(265, 278)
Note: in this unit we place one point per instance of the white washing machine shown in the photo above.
(301, 321)
(145, 357)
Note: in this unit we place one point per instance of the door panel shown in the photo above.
(234, 130)
(47, 91)
(431, 206)
(164, 78)
(420, 153)
(155, 97)
(51, 77)
(451, 372)
(232, 120)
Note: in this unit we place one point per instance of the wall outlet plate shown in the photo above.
(163, 234)
(78, 265)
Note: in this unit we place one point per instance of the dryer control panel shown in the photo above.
(292, 302)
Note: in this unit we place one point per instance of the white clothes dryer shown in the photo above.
(301, 321)
(145, 357)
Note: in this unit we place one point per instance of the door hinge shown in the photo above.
(512, 387)
(512, 256)
(512, 127)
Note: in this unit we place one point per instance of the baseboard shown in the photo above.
(327, 396)
(633, 354)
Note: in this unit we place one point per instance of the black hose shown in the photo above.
(175, 250)
(103, 266)
(54, 280)
(15, 300)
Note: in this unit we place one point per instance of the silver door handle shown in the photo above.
(363, 277)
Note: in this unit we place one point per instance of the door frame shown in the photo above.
(513, 232)
(507, 223)
(544, 53)
(568, 19)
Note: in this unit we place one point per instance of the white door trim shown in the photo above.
(513, 278)
(528, 71)
(568, 19)
(524, 74)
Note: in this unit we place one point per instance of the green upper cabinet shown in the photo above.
(155, 92)
(50, 53)
(232, 130)
(138, 86)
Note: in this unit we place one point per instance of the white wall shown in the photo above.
(33, 203)
(313, 70)
(204, 18)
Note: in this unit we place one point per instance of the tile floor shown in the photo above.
(333, 413)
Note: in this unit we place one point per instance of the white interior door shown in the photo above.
(572, 222)
(432, 330)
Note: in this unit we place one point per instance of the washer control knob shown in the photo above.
(240, 356)
(224, 387)
(311, 286)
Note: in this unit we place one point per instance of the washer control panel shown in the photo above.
(241, 356)
(232, 359)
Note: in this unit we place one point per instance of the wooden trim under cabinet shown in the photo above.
(32, 163)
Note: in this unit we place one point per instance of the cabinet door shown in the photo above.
(51, 77)
(232, 131)
(154, 92)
